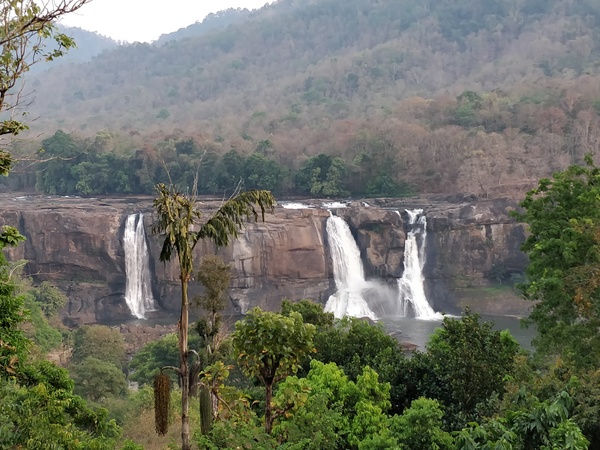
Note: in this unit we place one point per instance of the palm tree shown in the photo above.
(179, 221)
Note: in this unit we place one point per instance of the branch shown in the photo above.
(15, 268)
(220, 399)
(277, 413)
(32, 162)
(39, 21)
(173, 368)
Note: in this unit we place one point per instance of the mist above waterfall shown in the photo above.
(138, 287)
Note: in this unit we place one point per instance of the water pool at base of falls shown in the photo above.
(417, 332)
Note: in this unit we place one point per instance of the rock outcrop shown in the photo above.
(78, 245)
(472, 246)
(284, 257)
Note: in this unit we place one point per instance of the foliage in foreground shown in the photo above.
(324, 408)
(38, 408)
(563, 246)
(270, 347)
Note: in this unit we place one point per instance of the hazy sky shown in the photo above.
(146, 20)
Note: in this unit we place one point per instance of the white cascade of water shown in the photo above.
(138, 290)
(411, 285)
(347, 271)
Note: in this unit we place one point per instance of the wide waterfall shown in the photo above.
(347, 271)
(411, 285)
(138, 290)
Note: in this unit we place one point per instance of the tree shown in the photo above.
(50, 299)
(260, 172)
(215, 276)
(25, 27)
(529, 424)
(354, 344)
(96, 379)
(322, 175)
(270, 346)
(370, 423)
(37, 328)
(375, 157)
(98, 341)
(146, 363)
(230, 170)
(42, 412)
(420, 426)
(465, 366)
(563, 275)
(532, 384)
(179, 221)
(326, 410)
(472, 357)
(13, 343)
(310, 311)
(185, 147)
(37, 407)
(55, 175)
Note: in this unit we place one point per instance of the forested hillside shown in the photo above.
(398, 96)
(89, 45)
(212, 22)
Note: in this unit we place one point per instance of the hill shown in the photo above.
(212, 22)
(472, 96)
(89, 45)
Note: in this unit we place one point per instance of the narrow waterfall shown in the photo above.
(347, 271)
(138, 290)
(411, 285)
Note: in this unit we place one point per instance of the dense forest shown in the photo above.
(336, 98)
(337, 384)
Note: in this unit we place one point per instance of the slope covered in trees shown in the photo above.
(473, 96)
(88, 46)
(212, 22)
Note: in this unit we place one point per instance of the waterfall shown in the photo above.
(347, 271)
(138, 290)
(411, 285)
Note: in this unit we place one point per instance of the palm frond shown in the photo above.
(176, 216)
(229, 219)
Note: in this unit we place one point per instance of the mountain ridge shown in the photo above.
(461, 96)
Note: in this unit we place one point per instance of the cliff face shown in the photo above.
(78, 245)
(284, 257)
(471, 248)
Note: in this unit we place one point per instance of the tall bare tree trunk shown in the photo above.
(183, 364)
(177, 215)
(268, 410)
(206, 410)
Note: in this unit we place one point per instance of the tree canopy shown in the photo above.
(563, 245)
(25, 25)
(13, 343)
(270, 346)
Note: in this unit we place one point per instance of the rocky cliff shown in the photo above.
(78, 245)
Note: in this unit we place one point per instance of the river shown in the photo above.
(407, 329)
(418, 331)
